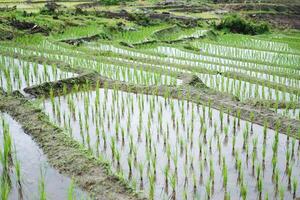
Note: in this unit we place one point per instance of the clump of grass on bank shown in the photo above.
(237, 24)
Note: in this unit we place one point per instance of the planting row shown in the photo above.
(16, 74)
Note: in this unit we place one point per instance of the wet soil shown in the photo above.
(81, 40)
(272, 104)
(123, 14)
(279, 20)
(30, 27)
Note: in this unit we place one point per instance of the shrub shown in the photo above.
(236, 24)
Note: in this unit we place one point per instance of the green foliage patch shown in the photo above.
(237, 24)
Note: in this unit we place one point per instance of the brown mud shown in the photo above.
(272, 104)
(123, 14)
(81, 40)
(279, 20)
(30, 27)
(64, 153)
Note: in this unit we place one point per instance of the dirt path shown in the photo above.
(63, 152)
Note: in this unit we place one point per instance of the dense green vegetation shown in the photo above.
(236, 24)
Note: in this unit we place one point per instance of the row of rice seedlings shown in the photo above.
(252, 42)
(19, 158)
(105, 47)
(82, 64)
(142, 34)
(272, 78)
(288, 81)
(134, 75)
(189, 61)
(157, 79)
(180, 150)
(118, 72)
(245, 90)
(144, 54)
(178, 53)
(124, 73)
(76, 57)
(291, 112)
(249, 54)
(16, 74)
(55, 46)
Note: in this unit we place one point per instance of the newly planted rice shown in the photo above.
(173, 148)
(147, 100)
(16, 74)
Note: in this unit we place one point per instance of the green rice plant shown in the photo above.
(5, 188)
(287, 158)
(141, 169)
(227, 196)
(244, 191)
(208, 188)
(225, 176)
(281, 192)
(166, 174)
(267, 196)
(233, 145)
(264, 156)
(17, 165)
(152, 186)
(71, 195)
(293, 148)
(295, 185)
(118, 158)
(260, 187)
(42, 189)
(289, 173)
(129, 161)
(276, 178)
(173, 182)
(274, 163)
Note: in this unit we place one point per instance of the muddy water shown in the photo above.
(17, 74)
(149, 126)
(33, 162)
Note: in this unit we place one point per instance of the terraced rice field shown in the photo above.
(195, 119)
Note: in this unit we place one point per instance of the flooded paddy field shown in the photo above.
(154, 140)
(149, 100)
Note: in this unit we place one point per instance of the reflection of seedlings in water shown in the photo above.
(17, 165)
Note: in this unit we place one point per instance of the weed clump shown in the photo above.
(236, 24)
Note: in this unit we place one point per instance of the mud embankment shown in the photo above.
(30, 27)
(273, 104)
(78, 41)
(123, 14)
